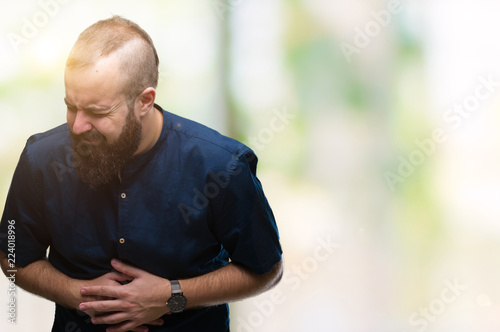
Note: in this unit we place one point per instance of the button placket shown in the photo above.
(122, 233)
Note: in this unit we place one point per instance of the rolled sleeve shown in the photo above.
(24, 210)
(244, 222)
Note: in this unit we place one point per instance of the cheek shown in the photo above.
(109, 129)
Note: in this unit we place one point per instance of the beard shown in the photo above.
(100, 162)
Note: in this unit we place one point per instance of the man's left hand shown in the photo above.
(139, 302)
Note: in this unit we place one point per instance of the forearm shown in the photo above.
(228, 284)
(42, 279)
(144, 298)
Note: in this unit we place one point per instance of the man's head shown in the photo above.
(138, 60)
(110, 79)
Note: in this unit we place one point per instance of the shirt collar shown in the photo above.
(139, 160)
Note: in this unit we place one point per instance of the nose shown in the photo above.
(81, 122)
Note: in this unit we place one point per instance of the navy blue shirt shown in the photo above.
(180, 210)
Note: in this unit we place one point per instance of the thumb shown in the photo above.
(127, 269)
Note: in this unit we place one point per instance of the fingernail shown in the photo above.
(114, 261)
(83, 291)
(82, 307)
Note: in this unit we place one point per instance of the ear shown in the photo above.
(145, 101)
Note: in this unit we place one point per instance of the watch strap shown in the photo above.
(176, 287)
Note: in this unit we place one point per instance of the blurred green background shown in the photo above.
(376, 128)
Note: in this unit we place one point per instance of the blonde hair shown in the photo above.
(140, 63)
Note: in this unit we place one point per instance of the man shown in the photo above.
(153, 222)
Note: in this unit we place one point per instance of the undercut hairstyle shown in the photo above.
(139, 61)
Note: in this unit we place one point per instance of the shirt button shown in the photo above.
(123, 195)
(122, 240)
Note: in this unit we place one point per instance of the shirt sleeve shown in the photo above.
(24, 210)
(243, 220)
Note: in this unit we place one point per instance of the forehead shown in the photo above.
(102, 82)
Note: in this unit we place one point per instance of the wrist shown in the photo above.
(177, 301)
(73, 296)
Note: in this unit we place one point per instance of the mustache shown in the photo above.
(92, 135)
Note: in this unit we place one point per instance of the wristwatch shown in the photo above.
(177, 302)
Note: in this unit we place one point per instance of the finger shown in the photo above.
(102, 306)
(127, 269)
(109, 291)
(141, 328)
(86, 298)
(91, 313)
(118, 276)
(127, 326)
(156, 322)
(111, 318)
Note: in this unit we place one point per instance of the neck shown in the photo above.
(152, 124)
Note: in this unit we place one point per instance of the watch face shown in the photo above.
(177, 303)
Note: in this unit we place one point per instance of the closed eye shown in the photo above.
(99, 115)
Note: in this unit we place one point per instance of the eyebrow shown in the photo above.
(91, 108)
